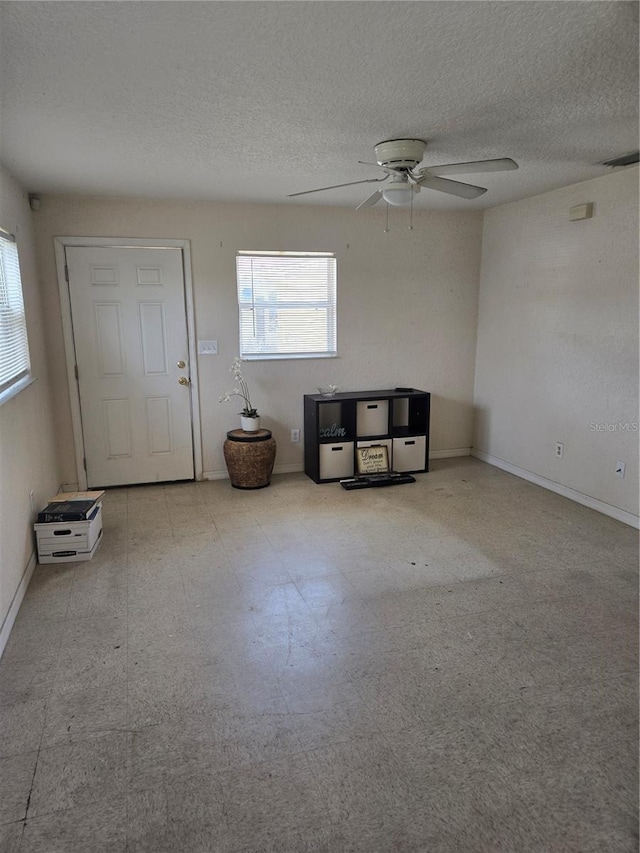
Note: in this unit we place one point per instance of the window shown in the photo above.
(287, 304)
(14, 348)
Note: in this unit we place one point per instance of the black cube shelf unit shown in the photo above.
(334, 427)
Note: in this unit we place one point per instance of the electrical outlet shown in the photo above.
(620, 469)
(559, 450)
(295, 435)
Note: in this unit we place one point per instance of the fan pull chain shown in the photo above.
(386, 227)
(411, 214)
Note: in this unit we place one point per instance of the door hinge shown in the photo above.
(66, 273)
(75, 370)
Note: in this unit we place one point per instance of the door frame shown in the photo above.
(60, 245)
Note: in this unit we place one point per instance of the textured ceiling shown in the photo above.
(253, 100)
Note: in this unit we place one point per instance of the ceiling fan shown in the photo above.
(399, 158)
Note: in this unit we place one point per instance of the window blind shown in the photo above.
(287, 304)
(14, 348)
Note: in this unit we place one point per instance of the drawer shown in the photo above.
(336, 460)
(409, 454)
(372, 417)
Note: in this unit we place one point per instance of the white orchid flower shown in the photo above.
(241, 390)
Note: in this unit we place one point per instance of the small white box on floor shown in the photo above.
(69, 541)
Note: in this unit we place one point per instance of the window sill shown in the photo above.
(288, 356)
(16, 388)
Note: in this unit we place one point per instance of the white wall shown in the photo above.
(407, 306)
(557, 344)
(27, 448)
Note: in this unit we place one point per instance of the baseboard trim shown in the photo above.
(449, 454)
(566, 492)
(288, 468)
(12, 613)
(298, 467)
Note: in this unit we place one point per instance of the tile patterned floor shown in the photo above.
(448, 667)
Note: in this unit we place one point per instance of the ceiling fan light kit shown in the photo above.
(398, 158)
(399, 193)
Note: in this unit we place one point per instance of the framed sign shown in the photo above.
(372, 460)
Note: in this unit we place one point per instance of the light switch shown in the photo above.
(207, 347)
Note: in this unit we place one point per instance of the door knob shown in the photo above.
(183, 380)
(181, 364)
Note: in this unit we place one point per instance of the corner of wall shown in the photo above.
(557, 347)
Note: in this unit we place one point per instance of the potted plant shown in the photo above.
(249, 417)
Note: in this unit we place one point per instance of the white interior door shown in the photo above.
(130, 336)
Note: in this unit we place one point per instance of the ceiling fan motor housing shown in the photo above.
(400, 153)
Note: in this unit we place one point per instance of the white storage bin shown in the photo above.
(336, 460)
(69, 541)
(372, 417)
(409, 454)
(384, 441)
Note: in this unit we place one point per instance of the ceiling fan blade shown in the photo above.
(433, 182)
(337, 186)
(503, 164)
(370, 200)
